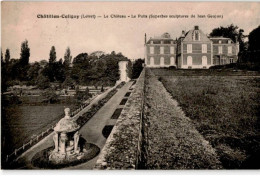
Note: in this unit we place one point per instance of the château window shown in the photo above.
(148, 61)
(204, 61)
(229, 49)
(162, 61)
(172, 50)
(189, 61)
(161, 50)
(151, 61)
(220, 49)
(204, 48)
(151, 50)
(189, 48)
(172, 61)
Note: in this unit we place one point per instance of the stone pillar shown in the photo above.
(56, 141)
(122, 69)
(63, 139)
(76, 142)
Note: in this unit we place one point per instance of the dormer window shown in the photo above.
(229, 41)
(196, 35)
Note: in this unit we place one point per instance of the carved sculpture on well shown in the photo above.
(66, 139)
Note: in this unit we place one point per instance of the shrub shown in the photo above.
(172, 67)
(50, 96)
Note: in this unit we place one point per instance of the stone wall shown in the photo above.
(122, 149)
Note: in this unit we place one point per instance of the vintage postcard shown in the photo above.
(130, 85)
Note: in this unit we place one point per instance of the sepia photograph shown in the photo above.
(130, 85)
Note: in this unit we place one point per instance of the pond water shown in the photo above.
(22, 122)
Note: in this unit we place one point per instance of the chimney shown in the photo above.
(145, 38)
(196, 27)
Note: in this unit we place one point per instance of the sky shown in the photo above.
(126, 35)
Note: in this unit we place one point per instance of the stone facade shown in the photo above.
(192, 50)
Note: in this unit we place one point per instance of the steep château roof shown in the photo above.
(191, 35)
(165, 37)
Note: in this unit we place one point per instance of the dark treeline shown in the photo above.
(97, 69)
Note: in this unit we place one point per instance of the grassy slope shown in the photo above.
(173, 141)
(225, 110)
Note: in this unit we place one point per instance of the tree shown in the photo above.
(253, 39)
(50, 96)
(51, 66)
(43, 82)
(129, 69)
(2, 58)
(254, 45)
(59, 72)
(52, 58)
(25, 54)
(112, 69)
(87, 91)
(33, 72)
(23, 65)
(81, 68)
(232, 32)
(68, 82)
(87, 94)
(137, 67)
(7, 56)
(43, 63)
(97, 54)
(102, 88)
(3, 74)
(67, 62)
(67, 58)
(79, 96)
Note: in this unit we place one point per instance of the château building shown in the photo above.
(193, 49)
(225, 51)
(161, 51)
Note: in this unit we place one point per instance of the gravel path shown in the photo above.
(173, 142)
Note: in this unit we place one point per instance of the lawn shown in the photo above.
(22, 122)
(225, 109)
